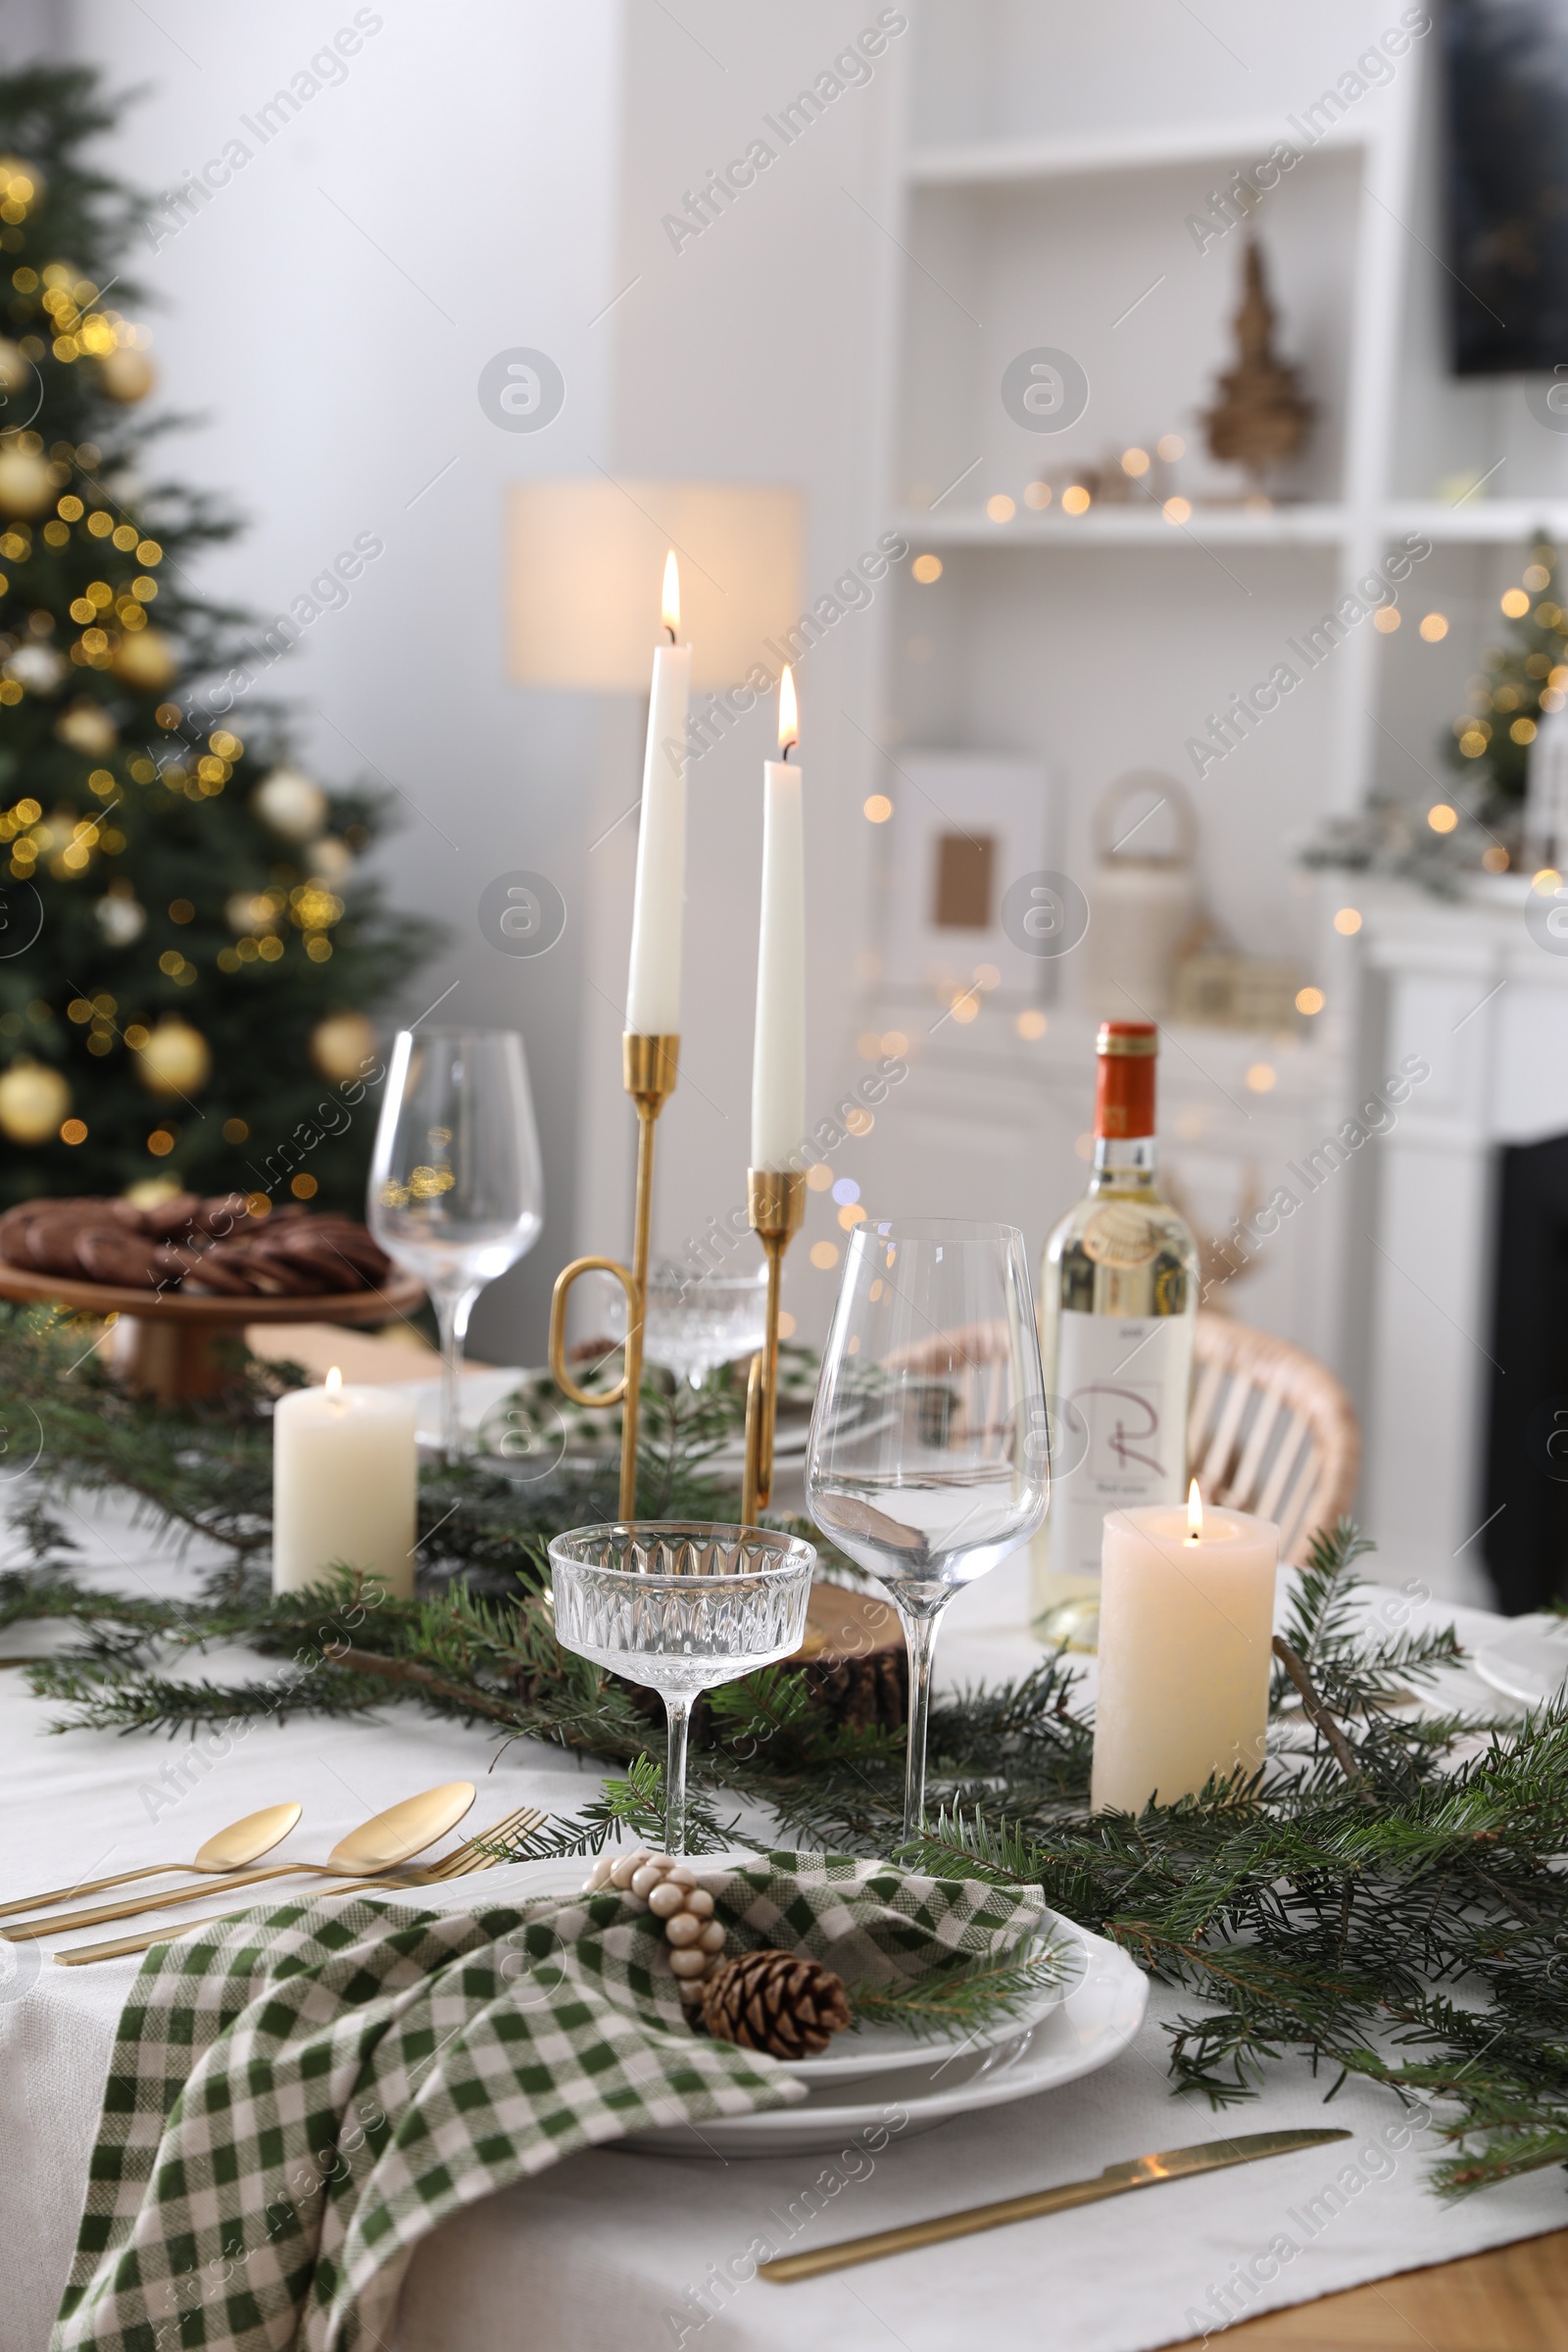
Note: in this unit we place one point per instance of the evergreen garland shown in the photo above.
(1385, 1897)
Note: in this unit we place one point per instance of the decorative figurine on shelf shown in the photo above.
(1261, 416)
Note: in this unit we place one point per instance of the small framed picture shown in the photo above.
(968, 827)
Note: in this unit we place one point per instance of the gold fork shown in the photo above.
(463, 1862)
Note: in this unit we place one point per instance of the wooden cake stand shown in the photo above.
(164, 1345)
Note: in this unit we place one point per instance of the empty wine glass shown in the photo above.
(927, 1460)
(456, 1194)
(682, 1607)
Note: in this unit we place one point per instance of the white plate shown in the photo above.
(1083, 2025)
(1530, 1663)
(1093, 2025)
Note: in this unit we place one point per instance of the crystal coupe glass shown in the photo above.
(682, 1607)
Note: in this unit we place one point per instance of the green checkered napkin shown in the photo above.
(299, 2096)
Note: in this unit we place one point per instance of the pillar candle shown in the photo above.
(1185, 1628)
(778, 1064)
(652, 983)
(344, 1486)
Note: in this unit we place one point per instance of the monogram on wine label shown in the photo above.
(1127, 1376)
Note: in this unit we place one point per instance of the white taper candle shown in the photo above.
(778, 1066)
(652, 983)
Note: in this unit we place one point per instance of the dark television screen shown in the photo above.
(1507, 118)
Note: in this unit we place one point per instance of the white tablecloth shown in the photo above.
(615, 2252)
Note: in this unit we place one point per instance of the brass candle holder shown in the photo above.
(776, 1203)
(648, 1074)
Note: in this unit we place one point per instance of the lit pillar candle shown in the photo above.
(652, 984)
(778, 1064)
(344, 1486)
(1185, 1622)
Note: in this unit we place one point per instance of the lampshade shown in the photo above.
(586, 561)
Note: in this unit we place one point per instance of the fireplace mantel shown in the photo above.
(1468, 989)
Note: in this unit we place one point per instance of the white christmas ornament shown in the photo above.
(38, 668)
(328, 859)
(290, 804)
(120, 920)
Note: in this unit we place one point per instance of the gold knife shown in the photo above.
(1142, 2172)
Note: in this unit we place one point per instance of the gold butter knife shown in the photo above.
(1142, 2172)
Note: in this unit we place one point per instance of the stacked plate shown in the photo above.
(866, 2079)
(1529, 1662)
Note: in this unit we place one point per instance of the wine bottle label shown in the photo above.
(1122, 1385)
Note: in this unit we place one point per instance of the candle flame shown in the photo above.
(672, 604)
(334, 1381)
(1195, 1514)
(789, 718)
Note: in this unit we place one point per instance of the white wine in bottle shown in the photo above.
(1118, 1292)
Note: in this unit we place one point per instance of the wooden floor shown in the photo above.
(1514, 2300)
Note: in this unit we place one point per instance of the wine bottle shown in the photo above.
(1118, 1294)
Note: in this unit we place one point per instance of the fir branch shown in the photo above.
(961, 2001)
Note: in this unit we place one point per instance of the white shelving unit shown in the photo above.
(1040, 195)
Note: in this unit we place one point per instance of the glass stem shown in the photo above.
(678, 1712)
(921, 1640)
(452, 1311)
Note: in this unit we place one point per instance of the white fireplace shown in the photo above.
(1468, 989)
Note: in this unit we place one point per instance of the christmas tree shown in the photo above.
(1519, 682)
(189, 949)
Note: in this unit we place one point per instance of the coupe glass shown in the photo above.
(927, 1460)
(680, 1606)
(694, 1322)
(456, 1195)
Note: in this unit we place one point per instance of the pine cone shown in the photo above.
(775, 2002)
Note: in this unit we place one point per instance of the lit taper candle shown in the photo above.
(652, 984)
(778, 1066)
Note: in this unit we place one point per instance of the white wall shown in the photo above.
(329, 314)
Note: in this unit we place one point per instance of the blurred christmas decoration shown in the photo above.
(175, 1060)
(342, 1045)
(127, 374)
(1261, 416)
(1144, 894)
(1217, 988)
(1509, 805)
(290, 804)
(141, 817)
(1519, 687)
(33, 1101)
(26, 484)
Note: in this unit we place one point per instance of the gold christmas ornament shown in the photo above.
(176, 1059)
(151, 1192)
(13, 367)
(33, 1099)
(20, 183)
(341, 1046)
(126, 375)
(290, 804)
(145, 660)
(26, 486)
(1261, 416)
(87, 727)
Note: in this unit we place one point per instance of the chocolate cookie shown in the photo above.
(106, 1254)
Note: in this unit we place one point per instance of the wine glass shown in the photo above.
(927, 1460)
(682, 1607)
(457, 1193)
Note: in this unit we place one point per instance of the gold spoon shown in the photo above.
(381, 1843)
(230, 1849)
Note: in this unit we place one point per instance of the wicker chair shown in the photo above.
(1271, 1431)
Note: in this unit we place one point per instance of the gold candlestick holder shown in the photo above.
(775, 1202)
(648, 1074)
